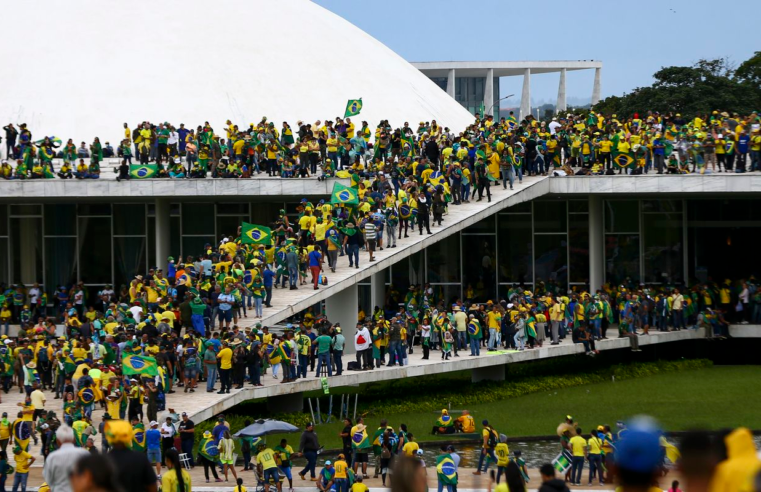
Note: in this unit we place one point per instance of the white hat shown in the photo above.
(154, 423)
(509, 305)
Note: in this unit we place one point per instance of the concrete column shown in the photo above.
(377, 290)
(451, 82)
(596, 87)
(526, 94)
(561, 104)
(290, 403)
(342, 308)
(596, 244)
(489, 92)
(493, 373)
(162, 231)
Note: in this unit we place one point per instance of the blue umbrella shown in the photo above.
(266, 426)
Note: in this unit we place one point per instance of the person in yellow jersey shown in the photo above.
(225, 357)
(595, 445)
(265, 462)
(410, 448)
(341, 474)
(503, 456)
(175, 479)
(358, 486)
(465, 423)
(578, 447)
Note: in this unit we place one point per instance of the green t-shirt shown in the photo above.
(163, 136)
(323, 344)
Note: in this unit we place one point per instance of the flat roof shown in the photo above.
(501, 68)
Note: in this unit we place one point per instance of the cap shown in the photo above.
(485, 422)
(154, 423)
(328, 463)
(420, 451)
(310, 424)
(639, 450)
(184, 414)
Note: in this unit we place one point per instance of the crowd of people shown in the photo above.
(582, 143)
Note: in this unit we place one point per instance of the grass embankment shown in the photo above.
(712, 398)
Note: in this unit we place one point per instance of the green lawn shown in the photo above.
(706, 398)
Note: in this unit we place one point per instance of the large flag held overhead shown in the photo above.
(255, 234)
(139, 364)
(353, 107)
(344, 195)
(143, 171)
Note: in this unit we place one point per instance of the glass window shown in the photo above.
(94, 209)
(197, 218)
(550, 216)
(444, 260)
(661, 205)
(447, 293)
(129, 257)
(578, 242)
(485, 225)
(232, 209)
(621, 216)
(479, 263)
(621, 258)
(551, 253)
(4, 273)
(193, 246)
(664, 248)
(95, 250)
(228, 225)
(3, 220)
(515, 249)
(26, 250)
(61, 220)
(129, 219)
(26, 209)
(578, 206)
(60, 262)
(174, 238)
(521, 208)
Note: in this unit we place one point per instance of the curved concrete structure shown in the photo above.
(84, 68)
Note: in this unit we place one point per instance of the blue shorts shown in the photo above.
(154, 456)
(271, 474)
(286, 470)
(226, 315)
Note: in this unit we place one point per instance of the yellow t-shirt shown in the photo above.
(359, 487)
(267, 459)
(623, 146)
(340, 467)
(169, 317)
(577, 444)
(410, 448)
(225, 357)
(595, 445)
(22, 462)
(494, 318)
(169, 482)
(503, 454)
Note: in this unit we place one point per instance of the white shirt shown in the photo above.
(425, 331)
(79, 296)
(137, 312)
(34, 295)
(174, 137)
(167, 430)
(554, 125)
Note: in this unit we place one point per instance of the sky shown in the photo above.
(632, 40)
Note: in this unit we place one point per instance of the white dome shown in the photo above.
(81, 68)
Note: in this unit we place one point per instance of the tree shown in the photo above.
(696, 90)
(749, 71)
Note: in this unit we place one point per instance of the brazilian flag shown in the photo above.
(255, 234)
(48, 172)
(353, 107)
(139, 364)
(343, 195)
(624, 161)
(86, 396)
(474, 329)
(359, 439)
(143, 171)
(208, 449)
(22, 432)
(446, 470)
(138, 438)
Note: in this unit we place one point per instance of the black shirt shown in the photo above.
(346, 440)
(186, 425)
(133, 471)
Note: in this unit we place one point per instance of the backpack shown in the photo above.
(493, 438)
(42, 355)
(593, 310)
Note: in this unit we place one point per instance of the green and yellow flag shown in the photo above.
(255, 234)
(143, 171)
(344, 195)
(353, 107)
(139, 364)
